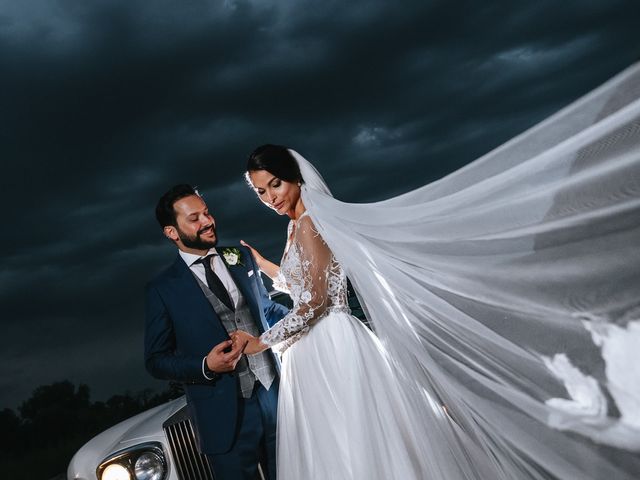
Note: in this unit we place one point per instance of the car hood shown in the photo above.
(142, 428)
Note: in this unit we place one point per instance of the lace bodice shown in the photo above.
(315, 280)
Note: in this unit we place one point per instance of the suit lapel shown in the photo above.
(240, 275)
(249, 289)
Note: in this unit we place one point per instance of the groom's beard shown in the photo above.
(196, 241)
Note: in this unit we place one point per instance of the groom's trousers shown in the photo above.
(255, 439)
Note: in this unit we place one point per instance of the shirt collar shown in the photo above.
(191, 258)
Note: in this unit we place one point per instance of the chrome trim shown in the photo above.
(189, 463)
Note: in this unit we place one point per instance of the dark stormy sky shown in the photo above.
(105, 104)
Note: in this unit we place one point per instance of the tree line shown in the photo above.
(38, 441)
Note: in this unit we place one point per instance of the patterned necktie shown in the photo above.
(215, 284)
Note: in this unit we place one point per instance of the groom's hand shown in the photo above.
(221, 360)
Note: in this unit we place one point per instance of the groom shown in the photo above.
(191, 308)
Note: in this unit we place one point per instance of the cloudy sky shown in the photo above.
(105, 104)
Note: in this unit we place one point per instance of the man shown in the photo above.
(191, 308)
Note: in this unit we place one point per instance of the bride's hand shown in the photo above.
(260, 260)
(270, 269)
(252, 345)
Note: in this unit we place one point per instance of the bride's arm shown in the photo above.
(267, 267)
(315, 259)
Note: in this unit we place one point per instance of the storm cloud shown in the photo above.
(106, 104)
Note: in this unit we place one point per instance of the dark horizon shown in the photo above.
(106, 105)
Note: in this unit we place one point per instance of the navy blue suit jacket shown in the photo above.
(182, 327)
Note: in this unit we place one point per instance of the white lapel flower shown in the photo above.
(232, 256)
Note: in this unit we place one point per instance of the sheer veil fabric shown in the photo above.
(508, 296)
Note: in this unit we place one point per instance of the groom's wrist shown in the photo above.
(207, 372)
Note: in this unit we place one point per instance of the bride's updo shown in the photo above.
(275, 159)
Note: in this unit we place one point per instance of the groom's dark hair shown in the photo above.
(275, 159)
(165, 213)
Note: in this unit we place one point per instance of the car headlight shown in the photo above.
(149, 466)
(141, 462)
(115, 471)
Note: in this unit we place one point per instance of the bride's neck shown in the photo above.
(298, 210)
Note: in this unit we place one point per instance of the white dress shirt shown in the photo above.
(217, 265)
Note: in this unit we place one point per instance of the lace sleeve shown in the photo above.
(311, 298)
(280, 283)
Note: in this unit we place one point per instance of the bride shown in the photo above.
(505, 303)
(340, 404)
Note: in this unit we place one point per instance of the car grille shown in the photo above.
(189, 463)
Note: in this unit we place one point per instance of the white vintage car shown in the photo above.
(157, 444)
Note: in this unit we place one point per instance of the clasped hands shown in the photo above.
(252, 345)
(225, 356)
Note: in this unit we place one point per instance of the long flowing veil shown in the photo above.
(508, 295)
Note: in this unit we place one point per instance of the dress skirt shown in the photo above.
(341, 411)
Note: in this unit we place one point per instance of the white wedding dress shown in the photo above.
(340, 412)
(505, 300)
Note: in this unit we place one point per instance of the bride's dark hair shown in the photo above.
(275, 159)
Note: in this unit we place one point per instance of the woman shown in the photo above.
(340, 409)
(506, 291)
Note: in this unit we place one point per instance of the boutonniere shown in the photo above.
(232, 256)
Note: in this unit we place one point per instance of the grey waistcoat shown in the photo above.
(249, 367)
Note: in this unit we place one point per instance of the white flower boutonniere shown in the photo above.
(232, 256)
